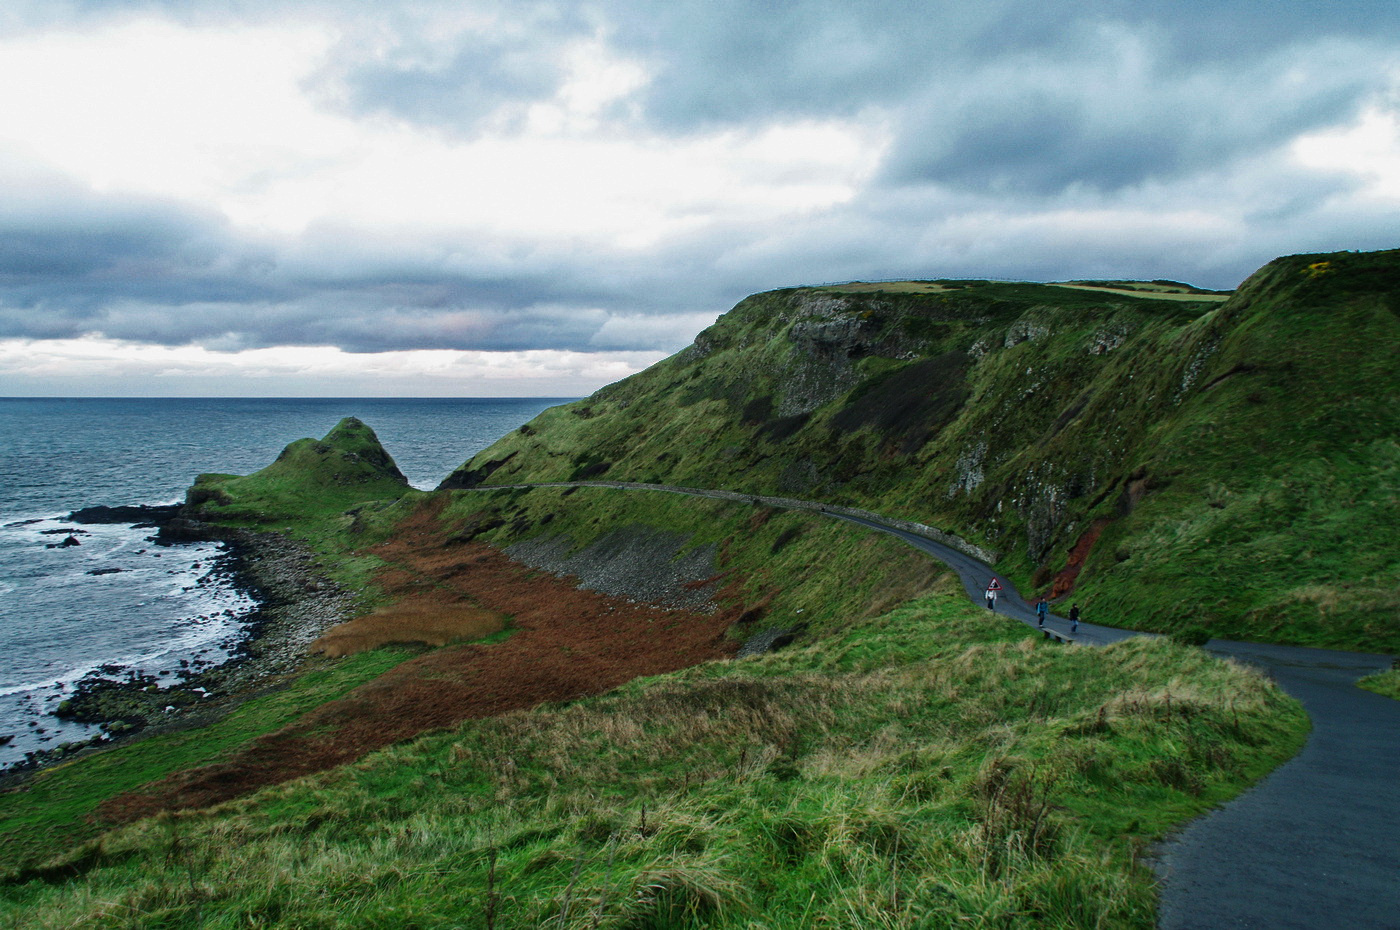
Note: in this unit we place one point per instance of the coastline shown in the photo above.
(296, 602)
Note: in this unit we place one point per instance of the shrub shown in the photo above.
(1192, 636)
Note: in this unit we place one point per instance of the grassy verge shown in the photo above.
(1386, 683)
(933, 767)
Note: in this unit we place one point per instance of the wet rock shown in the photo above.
(143, 514)
(770, 640)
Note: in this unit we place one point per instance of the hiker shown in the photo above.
(1074, 618)
(1041, 610)
(993, 590)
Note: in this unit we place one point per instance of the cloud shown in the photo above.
(241, 176)
(57, 366)
(1110, 111)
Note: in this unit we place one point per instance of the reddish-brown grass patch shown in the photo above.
(566, 643)
(1067, 576)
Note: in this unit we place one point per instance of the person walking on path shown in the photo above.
(993, 589)
(1074, 618)
(1041, 610)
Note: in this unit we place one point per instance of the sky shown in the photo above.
(427, 198)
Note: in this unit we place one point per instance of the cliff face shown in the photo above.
(1189, 459)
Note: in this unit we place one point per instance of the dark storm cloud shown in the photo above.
(1000, 95)
(1114, 117)
(998, 111)
(457, 80)
(63, 246)
(996, 93)
(153, 272)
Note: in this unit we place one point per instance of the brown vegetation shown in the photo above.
(565, 643)
(1067, 576)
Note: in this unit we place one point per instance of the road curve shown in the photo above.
(1314, 846)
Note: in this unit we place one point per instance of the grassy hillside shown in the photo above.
(923, 763)
(936, 767)
(1184, 461)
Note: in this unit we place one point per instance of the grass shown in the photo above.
(52, 810)
(435, 625)
(934, 767)
(1386, 683)
(310, 478)
(778, 564)
(1149, 291)
(916, 763)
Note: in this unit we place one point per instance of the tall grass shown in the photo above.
(1387, 683)
(968, 777)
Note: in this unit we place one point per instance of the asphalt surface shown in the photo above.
(1316, 845)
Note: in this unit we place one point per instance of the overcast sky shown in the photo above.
(407, 197)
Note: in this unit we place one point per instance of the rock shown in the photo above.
(770, 640)
(106, 571)
(134, 515)
(183, 529)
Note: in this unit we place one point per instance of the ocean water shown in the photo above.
(119, 602)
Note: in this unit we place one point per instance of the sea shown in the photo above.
(115, 603)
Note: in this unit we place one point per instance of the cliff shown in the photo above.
(1166, 456)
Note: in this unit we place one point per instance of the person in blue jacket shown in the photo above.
(1041, 610)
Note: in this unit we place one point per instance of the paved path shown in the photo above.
(1315, 846)
(1317, 843)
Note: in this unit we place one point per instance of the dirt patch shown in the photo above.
(566, 643)
(411, 621)
(1065, 579)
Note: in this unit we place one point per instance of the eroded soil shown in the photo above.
(565, 643)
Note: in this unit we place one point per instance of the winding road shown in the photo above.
(1314, 846)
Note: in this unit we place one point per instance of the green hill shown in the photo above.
(310, 478)
(1177, 462)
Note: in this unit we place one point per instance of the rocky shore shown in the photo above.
(296, 601)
